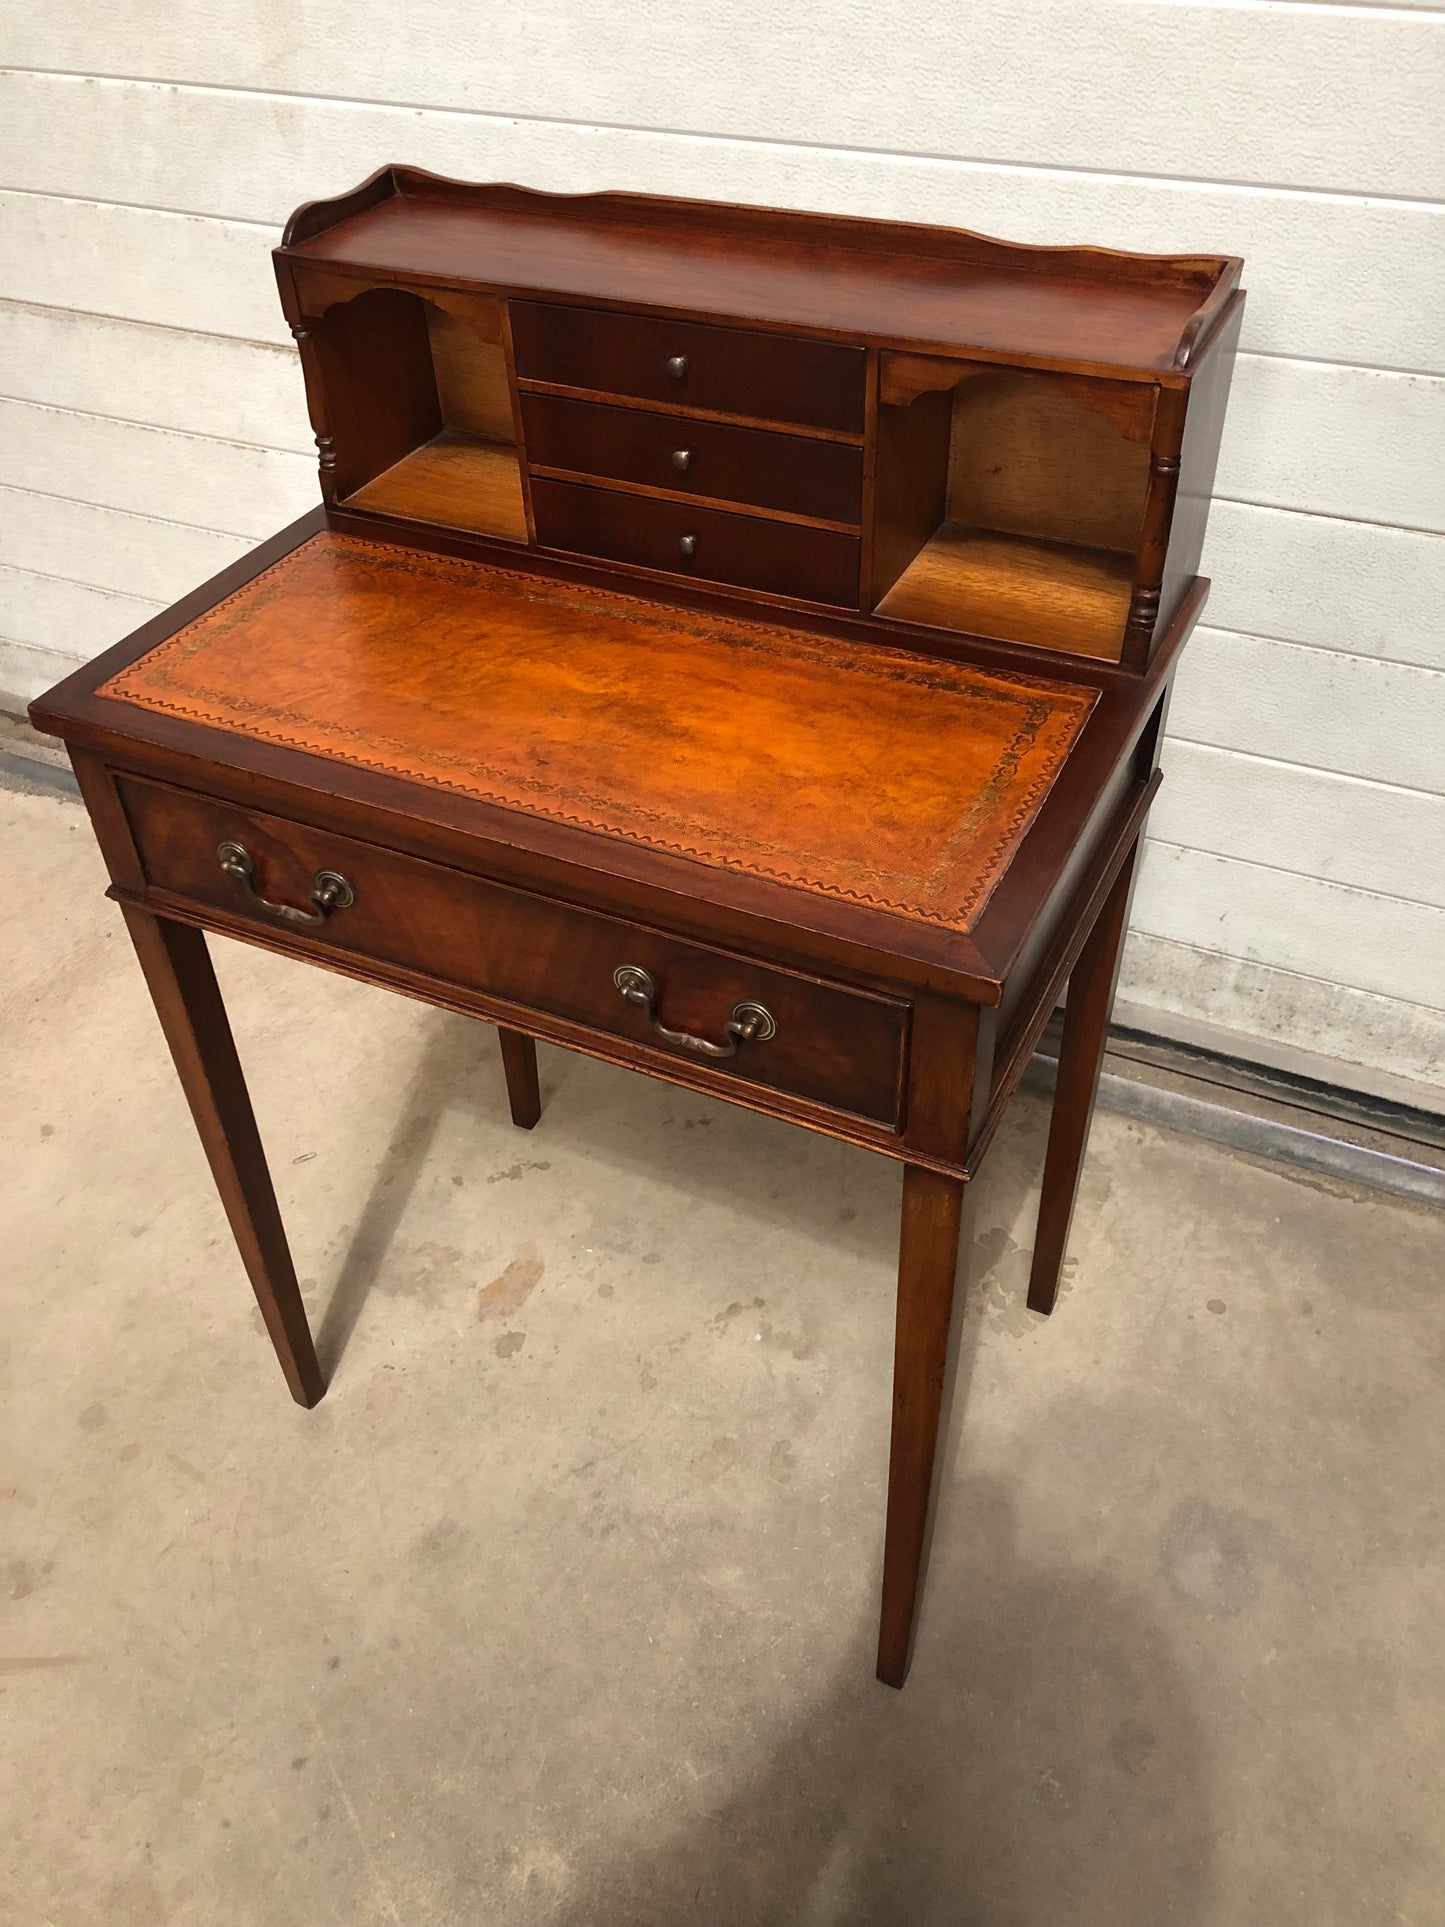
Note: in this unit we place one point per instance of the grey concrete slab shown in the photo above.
(560, 1607)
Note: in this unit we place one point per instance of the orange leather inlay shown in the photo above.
(838, 767)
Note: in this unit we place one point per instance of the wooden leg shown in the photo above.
(519, 1061)
(187, 998)
(924, 1360)
(1081, 1053)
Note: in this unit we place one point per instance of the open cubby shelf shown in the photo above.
(456, 479)
(421, 411)
(1054, 595)
(1017, 504)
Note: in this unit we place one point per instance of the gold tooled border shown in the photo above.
(1043, 702)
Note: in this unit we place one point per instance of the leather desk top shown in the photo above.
(850, 770)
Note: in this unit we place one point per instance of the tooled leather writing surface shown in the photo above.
(854, 771)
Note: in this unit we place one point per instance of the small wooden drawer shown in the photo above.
(749, 551)
(838, 1046)
(754, 466)
(692, 364)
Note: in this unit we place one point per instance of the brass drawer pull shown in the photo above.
(677, 366)
(330, 891)
(748, 1024)
(682, 460)
(687, 545)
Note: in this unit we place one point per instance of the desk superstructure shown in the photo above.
(732, 643)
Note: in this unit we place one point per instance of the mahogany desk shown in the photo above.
(732, 644)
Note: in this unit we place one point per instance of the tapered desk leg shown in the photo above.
(1081, 1054)
(519, 1061)
(187, 998)
(924, 1361)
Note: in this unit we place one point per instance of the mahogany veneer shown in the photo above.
(732, 643)
(455, 479)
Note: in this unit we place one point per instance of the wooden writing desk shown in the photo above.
(733, 644)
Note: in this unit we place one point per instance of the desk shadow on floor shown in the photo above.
(1042, 1768)
(625, 1121)
(615, 1117)
(460, 1060)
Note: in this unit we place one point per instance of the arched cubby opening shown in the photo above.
(422, 401)
(1019, 501)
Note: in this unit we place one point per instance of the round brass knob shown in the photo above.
(677, 366)
(687, 545)
(682, 459)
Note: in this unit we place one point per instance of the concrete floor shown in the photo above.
(561, 1607)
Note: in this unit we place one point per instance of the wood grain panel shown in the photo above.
(910, 486)
(750, 551)
(455, 480)
(752, 467)
(471, 378)
(834, 1045)
(736, 371)
(1029, 457)
(1041, 593)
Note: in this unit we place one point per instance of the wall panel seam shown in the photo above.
(1307, 876)
(1326, 515)
(1287, 642)
(1285, 970)
(78, 582)
(1325, 361)
(157, 428)
(1349, 777)
(1289, 970)
(141, 207)
(1325, 648)
(44, 649)
(136, 321)
(513, 119)
(110, 508)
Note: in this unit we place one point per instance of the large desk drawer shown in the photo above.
(755, 467)
(842, 1047)
(692, 364)
(749, 551)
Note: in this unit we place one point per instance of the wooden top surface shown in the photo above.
(851, 771)
(1084, 308)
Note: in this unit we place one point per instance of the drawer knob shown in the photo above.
(687, 545)
(677, 366)
(682, 459)
(329, 892)
(749, 1023)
